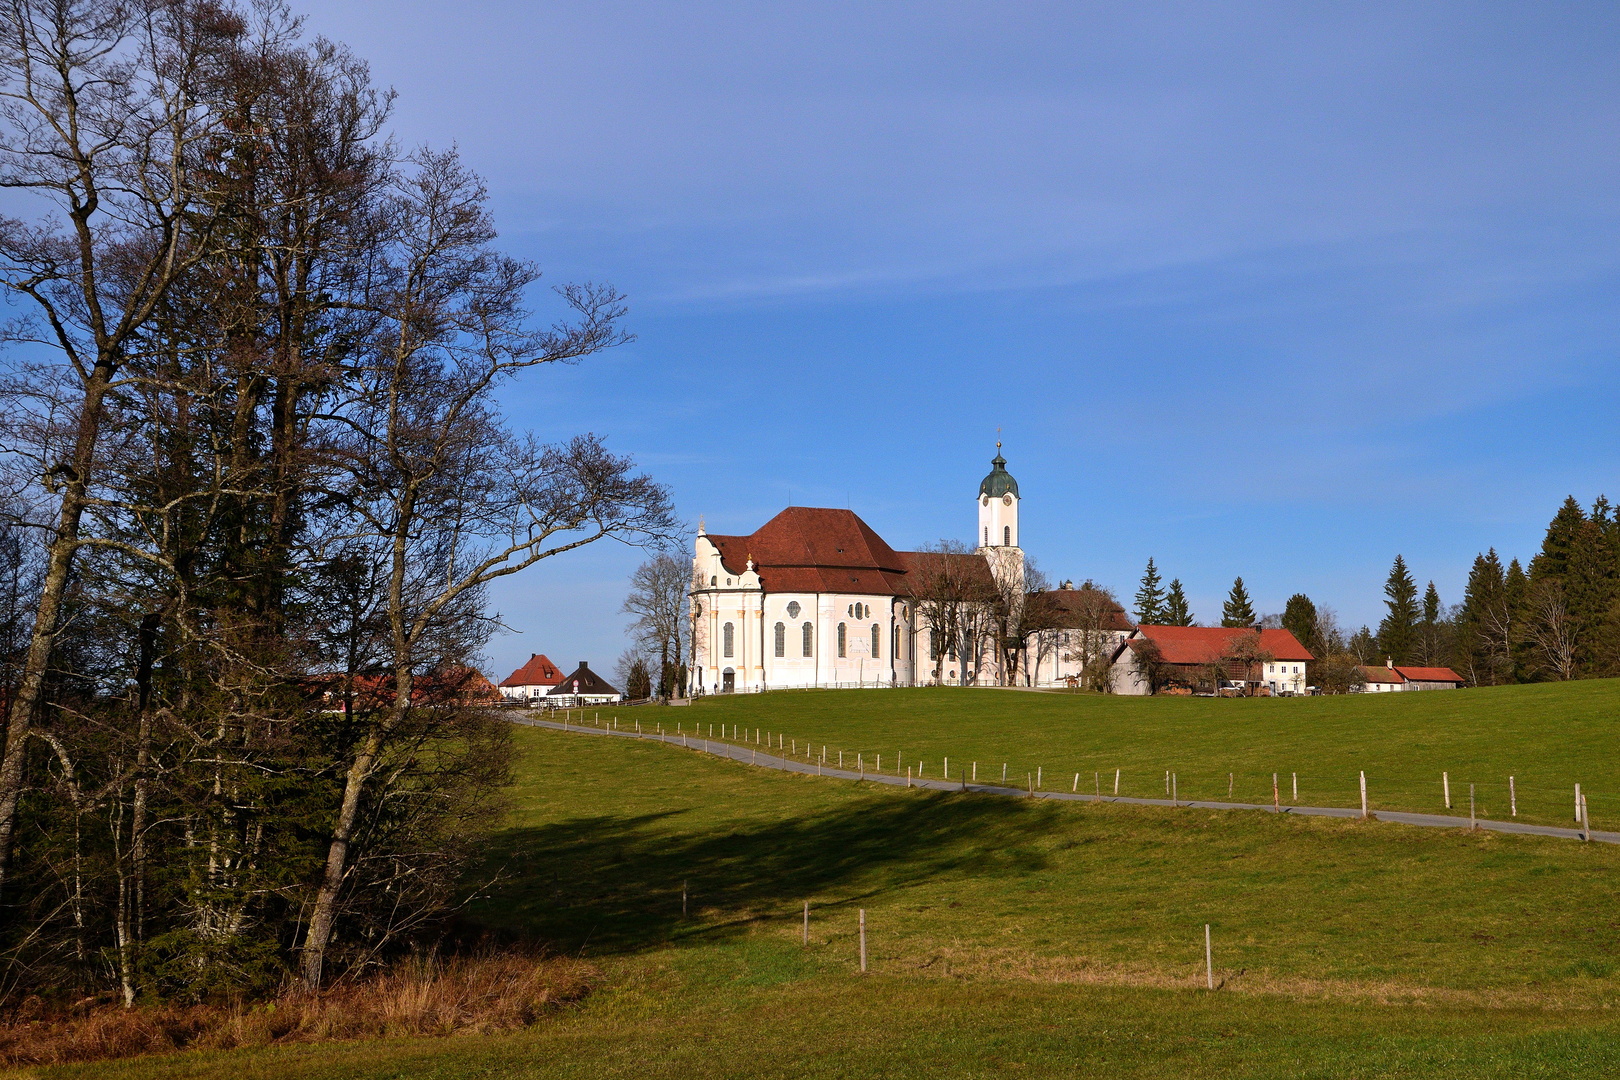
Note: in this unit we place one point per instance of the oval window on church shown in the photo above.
(1006, 500)
(984, 500)
(793, 609)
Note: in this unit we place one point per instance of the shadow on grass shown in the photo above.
(615, 882)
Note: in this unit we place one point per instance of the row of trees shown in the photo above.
(1558, 619)
(256, 487)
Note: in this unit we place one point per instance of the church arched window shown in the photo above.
(875, 640)
(809, 637)
(842, 645)
(781, 639)
(933, 646)
(728, 636)
(894, 641)
(1006, 536)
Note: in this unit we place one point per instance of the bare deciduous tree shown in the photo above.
(458, 501)
(659, 599)
(1551, 631)
(108, 112)
(1094, 632)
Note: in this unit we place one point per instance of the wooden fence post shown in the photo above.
(1276, 800)
(1472, 825)
(1116, 781)
(1296, 787)
(863, 941)
(1513, 798)
(1209, 959)
(1364, 794)
(1445, 784)
(1577, 804)
(807, 922)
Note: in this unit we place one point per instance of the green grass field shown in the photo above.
(1549, 737)
(1030, 938)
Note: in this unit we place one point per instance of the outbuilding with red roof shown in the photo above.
(1393, 676)
(1212, 659)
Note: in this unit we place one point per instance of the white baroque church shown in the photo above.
(816, 598)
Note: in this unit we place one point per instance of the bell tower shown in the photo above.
(998, 517)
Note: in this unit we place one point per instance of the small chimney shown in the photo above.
(583, 666)
(1389, 662)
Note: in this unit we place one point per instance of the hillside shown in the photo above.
(1547, 736)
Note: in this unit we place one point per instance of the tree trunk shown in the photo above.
(64, 545)
(337, 856)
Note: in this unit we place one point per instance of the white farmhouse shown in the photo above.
(534, 680)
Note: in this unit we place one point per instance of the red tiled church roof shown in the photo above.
(815, 549)
(539, 671)
(1206, 644)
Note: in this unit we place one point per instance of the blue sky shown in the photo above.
(1272, 290)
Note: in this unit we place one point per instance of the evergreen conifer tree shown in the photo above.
(1563, 533)
(1238, 609)
(1397, 634)
(1176, 612)
(1299, 619)
(1150, 597)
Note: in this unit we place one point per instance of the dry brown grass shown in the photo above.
(463, 995)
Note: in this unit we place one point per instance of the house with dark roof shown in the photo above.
(1211, 659)
(1393, 676)
(532, 681)
(815, 597)
(583, 687)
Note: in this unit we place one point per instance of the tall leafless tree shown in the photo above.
(108, 114)
(1094, 630)
(659, 599)
(1551, 631)
(459, 502)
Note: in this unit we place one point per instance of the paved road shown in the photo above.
(765, 759)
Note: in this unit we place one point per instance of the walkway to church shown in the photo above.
(753, 756)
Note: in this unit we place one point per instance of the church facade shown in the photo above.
(816, 598)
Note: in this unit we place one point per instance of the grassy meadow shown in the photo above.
(1548, 736)
(1022, 937)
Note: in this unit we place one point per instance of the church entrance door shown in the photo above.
(728, 681)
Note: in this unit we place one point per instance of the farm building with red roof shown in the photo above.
(1211, 659)
(1393, 676)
